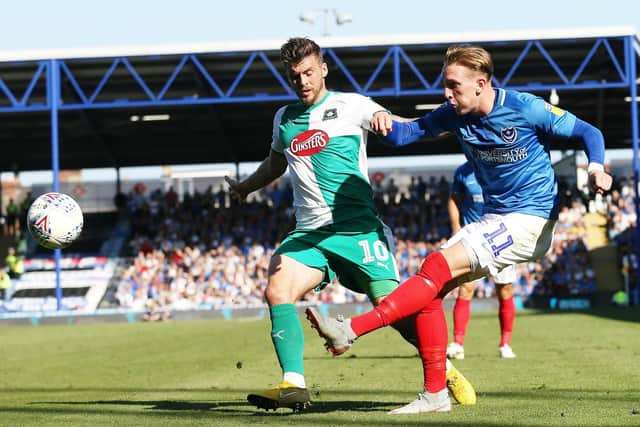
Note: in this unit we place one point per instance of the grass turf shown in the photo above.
(572, 369)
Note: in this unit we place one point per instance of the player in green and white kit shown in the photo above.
(323, 140)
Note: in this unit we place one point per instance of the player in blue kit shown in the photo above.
(466, 205)
(504, 136)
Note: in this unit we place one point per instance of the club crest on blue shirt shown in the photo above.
(509, 134)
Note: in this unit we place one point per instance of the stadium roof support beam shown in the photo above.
(53, 94)
(213, 113)
(631, 45)
(403, 61)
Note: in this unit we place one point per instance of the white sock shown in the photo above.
(449, 365)
(295, 378)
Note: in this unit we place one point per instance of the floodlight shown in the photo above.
(311, 16)
(342, 18)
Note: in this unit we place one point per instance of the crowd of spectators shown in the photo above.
(622, 222)
(206, 251)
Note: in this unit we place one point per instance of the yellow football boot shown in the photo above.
(283, 395)
(460, 388)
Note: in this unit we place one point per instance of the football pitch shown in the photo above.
(572, 369)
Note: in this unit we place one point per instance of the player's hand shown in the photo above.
(381, 123)
(235, 189)
(600, 181)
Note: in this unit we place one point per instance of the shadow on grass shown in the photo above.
(365, 357)
(160, 405)
(543, 393)
(211, 392)
(628, 314)
(335, 413)
(319, 413)
(186, 405)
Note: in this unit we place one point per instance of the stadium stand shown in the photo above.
(95, 97)
(161, 254)
(200, 257)
(85, 272)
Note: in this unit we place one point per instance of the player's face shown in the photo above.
(462, 88)
(307, 79)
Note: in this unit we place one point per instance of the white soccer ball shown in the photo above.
(55, 220)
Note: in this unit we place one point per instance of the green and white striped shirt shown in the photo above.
(325, 146)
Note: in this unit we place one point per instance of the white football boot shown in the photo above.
(506, 352)
(426, 402)
(455, 351)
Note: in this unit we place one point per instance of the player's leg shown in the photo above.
(405, 327)
(364, 262)
(408, 299)
(289, 280)
(486, 246)
(377, 289)
(431, 327)
(461, 315)
(506, 311)
(460, 388)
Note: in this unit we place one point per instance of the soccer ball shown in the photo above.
(55, 220)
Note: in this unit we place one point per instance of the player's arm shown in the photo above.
(271, 168)
(402, 133)
(555, 121)
(593, 142)
(453, 206)
(403, 119)
(406, 131)
(382, 121)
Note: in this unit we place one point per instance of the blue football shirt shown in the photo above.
(509, 150)
(466, 185)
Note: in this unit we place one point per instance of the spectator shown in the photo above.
(24, 208)
(5, 283)
(171, 199)
(201, 238)
(392, 191)
(120, 202)
(14, 263)
(11, 218)
(220, 197)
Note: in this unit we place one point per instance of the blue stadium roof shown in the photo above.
(220, 98)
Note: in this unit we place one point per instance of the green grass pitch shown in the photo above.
(573, 369)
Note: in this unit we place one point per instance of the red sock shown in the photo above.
(461, 315)
(507, 315)
(431, 326)
(409, 298)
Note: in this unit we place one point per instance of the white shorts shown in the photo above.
(506, 276)
(495, 242)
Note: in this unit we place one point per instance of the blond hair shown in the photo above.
(472, 57)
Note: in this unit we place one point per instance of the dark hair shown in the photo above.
(473, 57)
(298, 48)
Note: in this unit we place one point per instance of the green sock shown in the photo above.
(287, 337)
